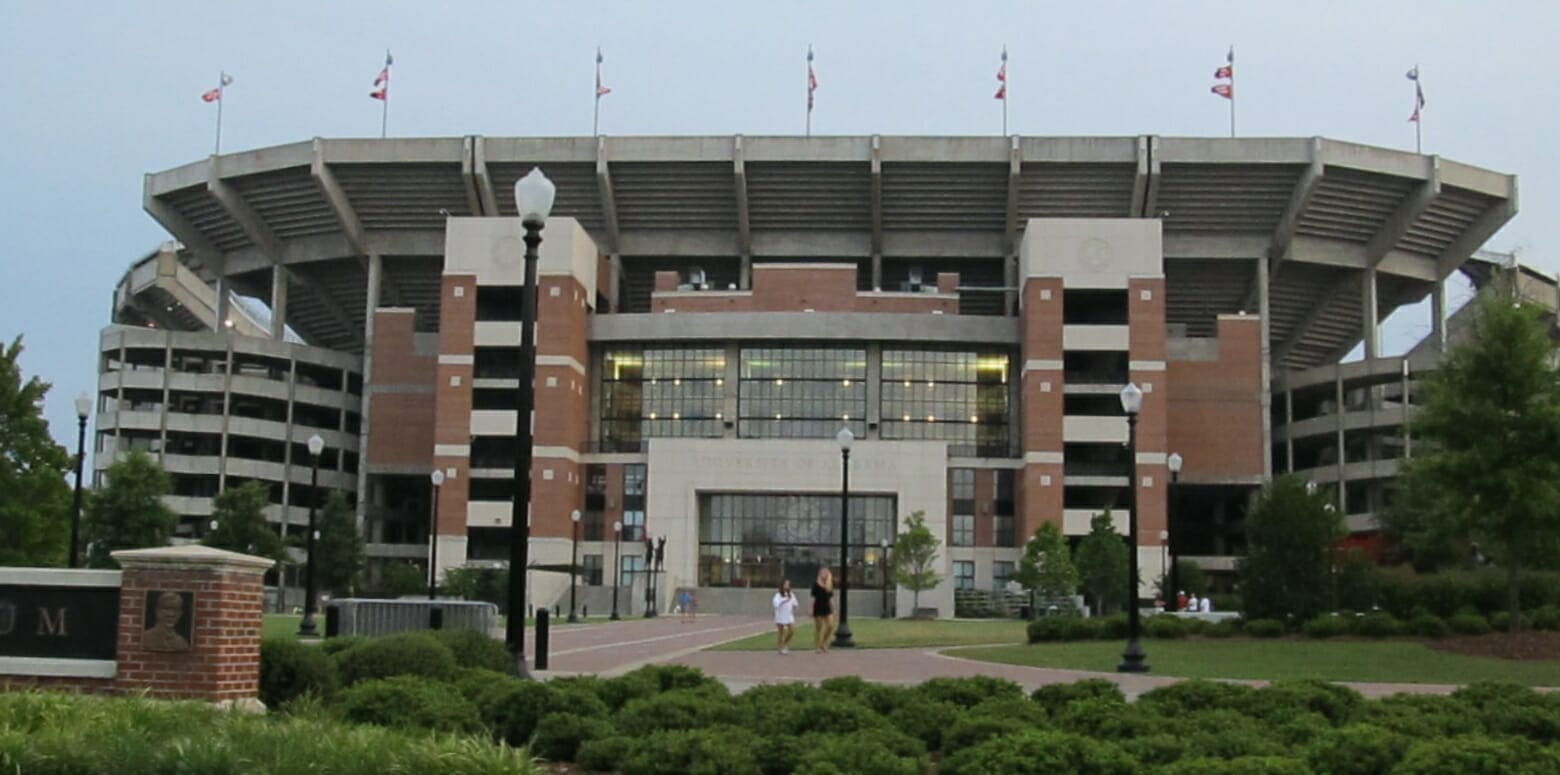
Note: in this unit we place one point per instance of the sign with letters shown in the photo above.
(59, 622)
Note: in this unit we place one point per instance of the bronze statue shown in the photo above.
(163, 634)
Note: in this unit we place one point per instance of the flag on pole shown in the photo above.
(382, 81)
(1226, 73)
(601, 91)
(1002, 77)
(1419, 94)
(215, 95)
(812, 80)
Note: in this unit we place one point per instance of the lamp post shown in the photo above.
(83, 409)
(534, 200)
(1133, 659)
(306, 627)
(617, 562)
(842, 636)
(1174, 464)
(433, 537)
(883, 558)
(574, 564)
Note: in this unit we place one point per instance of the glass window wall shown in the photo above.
(960, 396)
(754, 540)
(651, 392)
(802, 392)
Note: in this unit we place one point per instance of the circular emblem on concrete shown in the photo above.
(1094, 254)
(508, 251)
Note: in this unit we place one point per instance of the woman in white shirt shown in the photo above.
(785, 616)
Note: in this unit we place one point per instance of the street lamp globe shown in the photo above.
(617, 527)
(574, 516)
(534, 196)
(83, 406)
(1174, 463)
(845, 437)
(1131, 398)
(437, 478)
(316, 445)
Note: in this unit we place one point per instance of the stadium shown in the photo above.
(713, 310)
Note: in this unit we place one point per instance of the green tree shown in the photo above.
(1189, 578)
(340, 546)
(127, 512)
(1102, 563)
(915, 558)
(1291, 536)
(34, 498)
(399, 579)
(1489, 470)
(239, 513)
(1047, 567)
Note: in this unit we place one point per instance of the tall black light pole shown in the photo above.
(1133, 660)
(83, 409)
(433, 537)
(842, 636)
(1174, 464)
(534, 200)
(883, 571)
(649, 571)
(617, 563)
(574, 564)
(306, 627)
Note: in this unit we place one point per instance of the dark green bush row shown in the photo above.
(290, 669)
(1377, 624)
(60, 734)
(1405, 594)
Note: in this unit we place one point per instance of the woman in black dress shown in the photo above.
(823, 610)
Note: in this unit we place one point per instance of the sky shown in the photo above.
(93, 95)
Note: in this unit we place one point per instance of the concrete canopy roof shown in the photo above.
(1317, 211)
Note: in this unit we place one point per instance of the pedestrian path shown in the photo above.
(614, 648)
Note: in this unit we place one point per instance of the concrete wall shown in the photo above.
(914, 471)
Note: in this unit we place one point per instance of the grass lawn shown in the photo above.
(1393, 661)
(872, 633)
(285, 625)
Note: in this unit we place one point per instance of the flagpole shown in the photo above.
(1233, 93)
(809, 90)
(384, 116)
(220, 100)
(1005, 91)
(1419, 121)
(595, 117)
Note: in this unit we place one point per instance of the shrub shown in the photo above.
(1469, 623)
(1047, 629)
(1475, 755)
(924, 720)
(973, 730)
(1224, 628)
(1056, 697)
(712, 751)
(1500, 621)
(1195, 695)
(1156, 750)
(1427, 626)
(1378, 624)
(1265, 628)
(513, 711)
(1105, 719)
(968, 692)
(290, 669)
(603, 754)
(1546, 618)
(1166, 627)
(1327, 626)
(559, 735)
(1039, 751)
(412, 653)
(673, 677)
(1082, 628)
(1017, 708)
(1114, 627)
(479, 685)
(333, 646)
(1481, 694)
(1360, 749)
(819, 711)
(881, 698)
(1241, 765)
(674, 710)
(409, 702)
(1421, 715)
(1285, 698)
(476, 649)
(859, 754)
(1227, 734)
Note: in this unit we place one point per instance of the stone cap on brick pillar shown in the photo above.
(191, 557)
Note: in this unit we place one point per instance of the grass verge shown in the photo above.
(898, 634)
(1392, 661)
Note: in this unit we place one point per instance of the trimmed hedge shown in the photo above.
(410, 653)
(409, 702)
(290, 669)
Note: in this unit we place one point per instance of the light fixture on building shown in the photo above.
(846, 383)
(676, 415)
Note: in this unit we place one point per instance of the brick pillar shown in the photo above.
(189, 624)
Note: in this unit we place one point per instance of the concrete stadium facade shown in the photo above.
(713, 309)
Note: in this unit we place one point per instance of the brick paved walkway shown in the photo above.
(617, 647)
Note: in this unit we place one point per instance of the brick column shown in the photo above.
(189, 624)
